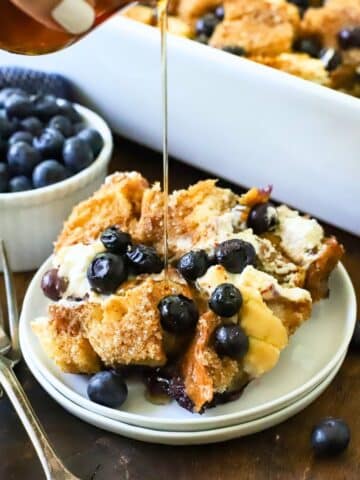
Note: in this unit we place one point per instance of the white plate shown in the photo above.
(182, 438)
(311, 356)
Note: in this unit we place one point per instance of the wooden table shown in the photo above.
(282, 452)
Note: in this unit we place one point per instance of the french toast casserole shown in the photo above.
(242, 277)
(317, 40)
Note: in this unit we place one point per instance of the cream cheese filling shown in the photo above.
(72, 263)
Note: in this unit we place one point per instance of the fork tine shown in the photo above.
(2, 320)
(12, 309)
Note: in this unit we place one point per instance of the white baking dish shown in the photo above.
(239, 120)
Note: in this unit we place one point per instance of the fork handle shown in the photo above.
(52, 465)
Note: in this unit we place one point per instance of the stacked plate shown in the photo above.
(306, 368)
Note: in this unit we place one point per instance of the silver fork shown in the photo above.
(10, 355)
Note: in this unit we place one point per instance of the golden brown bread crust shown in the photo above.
(203, 371)
(261, 27)
(292, 314)
(127, 201)
(140, 13)
(192, 213)
(265, 11)
(299, 64)
(62, 337)
(129, 330)
(191, 10)
(319, 271)
(117, 202)
(315, 276)
(124, 329)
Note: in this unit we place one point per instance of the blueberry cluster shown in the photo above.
(234, 255)
(179, 315)
(229, 339)
(110, 269)
(43, 140)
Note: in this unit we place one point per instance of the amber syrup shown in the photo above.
(162, 21)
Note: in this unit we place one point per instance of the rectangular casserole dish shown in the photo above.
(237, 119)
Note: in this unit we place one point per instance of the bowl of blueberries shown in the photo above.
(53, 154)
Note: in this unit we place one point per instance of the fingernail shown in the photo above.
(75, 16)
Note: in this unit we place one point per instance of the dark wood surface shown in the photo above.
(281, 453)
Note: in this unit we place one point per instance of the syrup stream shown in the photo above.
(162, 19)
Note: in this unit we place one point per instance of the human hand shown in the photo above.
(73, 16)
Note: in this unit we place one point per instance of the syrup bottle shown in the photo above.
(19, 33)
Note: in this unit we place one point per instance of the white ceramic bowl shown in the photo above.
(239, 120)
(30, 221)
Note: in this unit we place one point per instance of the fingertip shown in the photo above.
(74, 16)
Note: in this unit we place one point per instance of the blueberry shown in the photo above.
(202, 39)
(78, 127)
(231, 341)
(67, 109)
(331, 58)
(21, 137)
(330, 437)
(47, 173)
(50, 143)
(225, 300)
(4, 177)
(193, 265)
(107, 388)
(310, 45)
(355, 341)
(178, 314)
(115, 240)
(220, 13)
(349, 38)
(262, 218)
(106, 272)
(235, 255)
(18, 106)
(235, 50)
(45, 106)
(62, 124)
(7, 126)
(77, 154)
(145, 259)
(20, 184)
(52, 285)
(32, 125)
(206, 24)
(93, 138)
(22, 158)
(5, 93)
